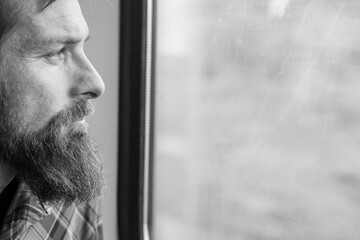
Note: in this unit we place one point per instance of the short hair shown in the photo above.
(10, 12)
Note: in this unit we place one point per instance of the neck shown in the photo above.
(6, 175)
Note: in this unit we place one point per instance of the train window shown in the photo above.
(257, 120)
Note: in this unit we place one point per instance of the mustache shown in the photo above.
(74, 112)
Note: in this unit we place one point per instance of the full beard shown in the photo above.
(59, 163)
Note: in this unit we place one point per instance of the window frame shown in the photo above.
(136, 119)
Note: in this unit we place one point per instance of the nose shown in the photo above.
(89, 84)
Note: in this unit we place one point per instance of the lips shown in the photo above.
(82, 123)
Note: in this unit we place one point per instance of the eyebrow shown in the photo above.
(72, 40)
(44, 43)
(65, 39)
(47, 4)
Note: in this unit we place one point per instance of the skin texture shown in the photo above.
(47, 64)
(47, 85)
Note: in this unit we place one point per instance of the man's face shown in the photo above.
(47, 84)
(46, 63)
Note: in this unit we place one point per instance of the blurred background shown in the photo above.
(257, 131)
(103, 51)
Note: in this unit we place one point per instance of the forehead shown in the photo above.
(59, 13)
(63, 18)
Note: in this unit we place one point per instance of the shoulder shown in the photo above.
(68, 223)
(30, 220)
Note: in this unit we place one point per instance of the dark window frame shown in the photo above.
(134, 173)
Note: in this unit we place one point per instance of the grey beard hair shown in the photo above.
(59, 163)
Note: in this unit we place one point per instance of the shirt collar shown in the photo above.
(25, 201)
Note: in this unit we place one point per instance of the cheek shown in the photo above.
(36, 97)
(30, 106)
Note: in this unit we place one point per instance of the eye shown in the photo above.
(56, 56)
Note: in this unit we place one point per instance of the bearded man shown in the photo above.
(50, 170)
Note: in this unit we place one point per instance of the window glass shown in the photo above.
(257, 124)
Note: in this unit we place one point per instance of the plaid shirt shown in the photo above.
(28, 219)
